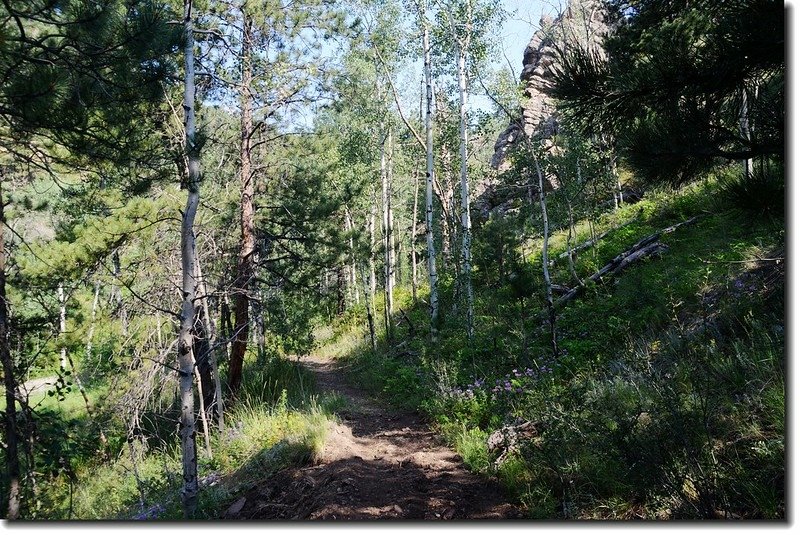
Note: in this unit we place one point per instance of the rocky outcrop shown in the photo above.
(582, 23)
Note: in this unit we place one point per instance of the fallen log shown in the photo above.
(644, 248)
(590, 242)
(508, 439)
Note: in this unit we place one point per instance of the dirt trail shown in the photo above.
(376, 464)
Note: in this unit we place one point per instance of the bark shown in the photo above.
(62, 327)
(203, 418)
(348, 225)
(341, 288)
(391, 243)
(591, 241)
(202, 346)
(548, 285)
(466, 222)
(213, 402)
(371, 232)
(614, 267)
(644, 248)
(432, 276)
(245, 266)
(370, 312)
(10, 383)
(414, 237)
(388, 245)
(571, 251)
(188, 282)
(744, 130)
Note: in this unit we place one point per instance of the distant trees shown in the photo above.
(464, 36)
(263, 55)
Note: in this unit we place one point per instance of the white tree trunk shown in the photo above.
(414, 237)
(545, 260)
(188, 282)
(466, 223)
(371, 233)
(391, 243)
(388, 237)
(744, 130)
(432, 276)
(62, 327)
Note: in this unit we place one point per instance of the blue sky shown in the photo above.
(519, 27)
(517, 31)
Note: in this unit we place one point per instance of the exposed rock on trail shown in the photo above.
(376, 464)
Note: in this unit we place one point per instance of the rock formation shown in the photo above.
(582, 23)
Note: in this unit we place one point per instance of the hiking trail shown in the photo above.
(377, 463)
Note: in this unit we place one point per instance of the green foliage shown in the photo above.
(762, 193)
(277, 423)
(646, 413)
(671, 89)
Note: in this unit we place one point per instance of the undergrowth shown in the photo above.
(278, 422)
(666, 399)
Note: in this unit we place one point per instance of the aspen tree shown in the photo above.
(188, 281)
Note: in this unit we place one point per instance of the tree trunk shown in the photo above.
(203, 417)
(9, 380)
(62, 328)
(212, 400)
(245, 267)
(388, 235)
(349, 226)
(744, 130)
(188, 284)
(545, 264)
(432, 276)
(570, 250)
(414, 236)
(371, 232)
(370, 306)
(466, 222)
(341, 290)
(391, 242)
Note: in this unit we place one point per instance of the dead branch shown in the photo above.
(644, 248)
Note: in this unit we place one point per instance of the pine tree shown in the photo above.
(674, 86)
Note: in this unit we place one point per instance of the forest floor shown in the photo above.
(377, 463)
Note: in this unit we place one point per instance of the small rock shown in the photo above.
(236, 507)
(398, 509)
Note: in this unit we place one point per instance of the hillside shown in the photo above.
(316, 260)
(667, 397)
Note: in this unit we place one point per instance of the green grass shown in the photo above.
(278, 422)
(645, 413)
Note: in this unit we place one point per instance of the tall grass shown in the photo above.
(277, 422)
